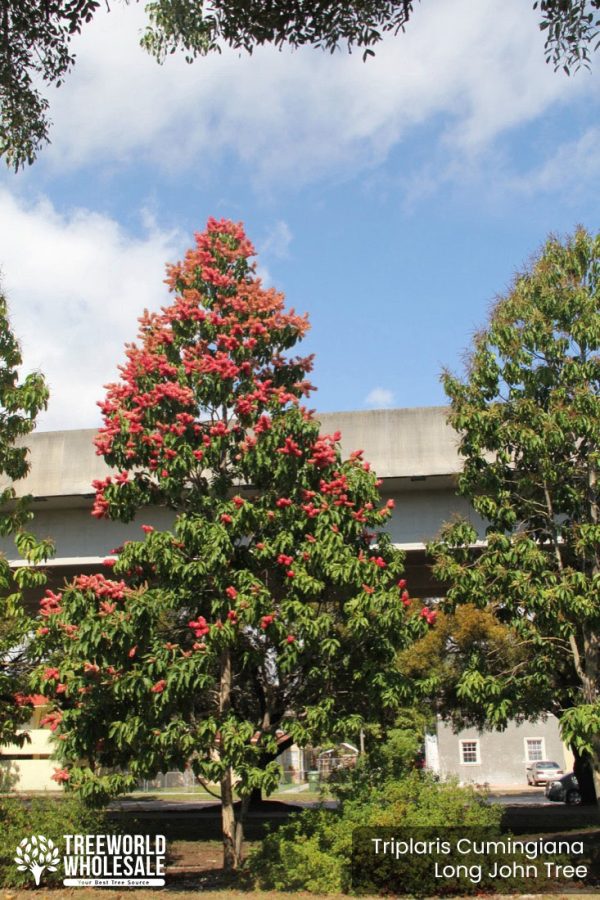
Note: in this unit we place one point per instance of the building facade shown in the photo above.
(495, 758)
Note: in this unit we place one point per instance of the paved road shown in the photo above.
(189, 806)
(527, 798)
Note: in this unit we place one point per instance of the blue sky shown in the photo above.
(392, 200)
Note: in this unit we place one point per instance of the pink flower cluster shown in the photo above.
(50, 604)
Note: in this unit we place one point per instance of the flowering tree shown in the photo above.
(271, 612)
(20, 403)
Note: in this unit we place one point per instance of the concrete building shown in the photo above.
(492, 757)
(413, 451)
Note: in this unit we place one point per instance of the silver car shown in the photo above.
(543, 771)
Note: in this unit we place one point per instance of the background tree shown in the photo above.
(272, 611)
(470, 639)
(36, 38)
(20, 403)
(528, 412)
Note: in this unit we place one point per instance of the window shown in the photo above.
(534, 749)
(469, 753)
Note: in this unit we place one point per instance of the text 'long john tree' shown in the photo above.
(272, 611)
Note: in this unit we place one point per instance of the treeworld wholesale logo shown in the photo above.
(35, 854)
(97, 860)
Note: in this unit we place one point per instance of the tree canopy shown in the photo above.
(273, 609)
(20, 403)
(528, 413)
(36, 44)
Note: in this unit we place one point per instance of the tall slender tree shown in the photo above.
(272, 611)
(20, 403)
(528, 413)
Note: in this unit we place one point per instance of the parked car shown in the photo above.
(565, 790)
(543, 771)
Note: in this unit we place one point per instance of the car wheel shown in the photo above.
(573, 797)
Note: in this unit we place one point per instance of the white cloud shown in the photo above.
(476, 68)
(278, 240)
(76, 285)
(275, 245)
(573, 167)
(380, 398)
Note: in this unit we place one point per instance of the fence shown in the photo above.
(176, 782)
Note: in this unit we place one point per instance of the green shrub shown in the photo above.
(307, 853)
(52, 817)
(313, 850)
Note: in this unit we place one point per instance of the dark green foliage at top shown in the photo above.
(572, 30)
(35, 45)
(36, 37)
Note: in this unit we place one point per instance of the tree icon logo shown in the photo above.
(35, 854)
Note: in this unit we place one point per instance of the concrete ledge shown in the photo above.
(399, 443)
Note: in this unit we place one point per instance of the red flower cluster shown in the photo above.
(430, 615)
(323, 451)
(50, 604)
(51, 672)
(60, 776)
(52, 720)
(199, 626)
(102, 587)
(29, 699)
(290, 448)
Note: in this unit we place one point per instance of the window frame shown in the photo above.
(461, 752)
(542, 742)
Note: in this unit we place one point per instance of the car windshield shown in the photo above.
(548, 765)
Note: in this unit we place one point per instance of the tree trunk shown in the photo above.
(595, 760)
(591, 693)
(255, 799)
(233, 829)
(583, 767)
(233, 835)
